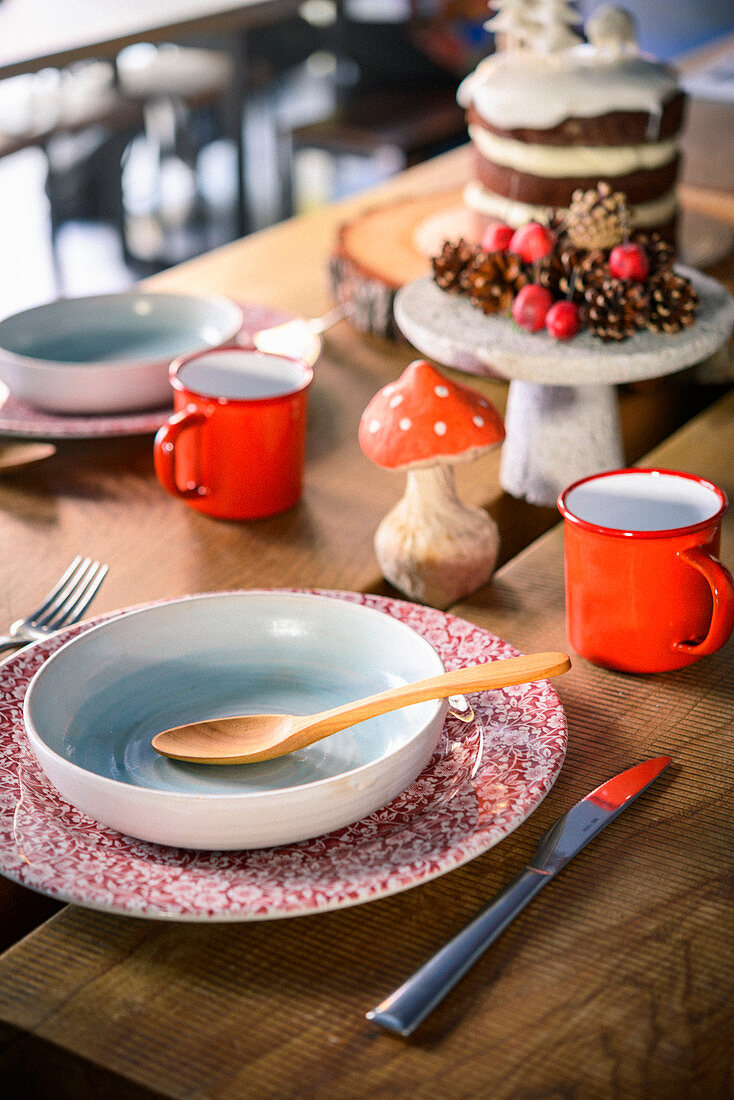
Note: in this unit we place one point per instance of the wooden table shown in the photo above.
(617, 981)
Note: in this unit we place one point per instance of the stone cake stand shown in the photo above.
(562, 418)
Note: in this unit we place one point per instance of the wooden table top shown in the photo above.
(37, 33)
(618, 980)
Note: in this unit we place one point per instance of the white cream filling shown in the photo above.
(561, 162)
(520, 88)
(515, 213)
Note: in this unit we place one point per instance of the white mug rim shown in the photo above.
(630, 533)
(183, 387)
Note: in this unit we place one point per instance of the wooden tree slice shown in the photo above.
(384, 247)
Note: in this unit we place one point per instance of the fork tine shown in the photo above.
(58, 588)
(85, 597)
(65, 604)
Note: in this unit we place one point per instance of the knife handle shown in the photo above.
(409, 1005)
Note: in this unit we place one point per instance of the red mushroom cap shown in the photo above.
(423, 418)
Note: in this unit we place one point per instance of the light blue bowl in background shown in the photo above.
(94, 706)
(108, 353)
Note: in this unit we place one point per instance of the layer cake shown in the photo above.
(546, 123)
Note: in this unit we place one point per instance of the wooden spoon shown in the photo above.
(247, 738)
(298, 339)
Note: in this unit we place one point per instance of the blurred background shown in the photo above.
(118, 165)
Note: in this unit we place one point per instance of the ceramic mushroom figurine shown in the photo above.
(431, 546)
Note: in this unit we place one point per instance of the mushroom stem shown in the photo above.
(431, 545)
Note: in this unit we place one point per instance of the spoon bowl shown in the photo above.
(245, 739)
(298, 339)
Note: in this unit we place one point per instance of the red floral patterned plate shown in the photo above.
(486, 777)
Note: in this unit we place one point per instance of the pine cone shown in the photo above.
(568, 272)
(451, 263)
(673, 302)
(555, 268)
(493, 279)
(660, 254)
(591, 271)
(616, 309)
(556, 219)
(595, 218)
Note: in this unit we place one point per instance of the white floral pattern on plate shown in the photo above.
(485, 778)
(20, 419)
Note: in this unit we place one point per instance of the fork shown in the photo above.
(65, 604)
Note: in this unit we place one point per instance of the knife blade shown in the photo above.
(403, 1010)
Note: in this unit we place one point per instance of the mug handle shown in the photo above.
(164, 452)
(721, 583)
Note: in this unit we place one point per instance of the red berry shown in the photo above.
(629, 261)
(562, 320)
(531, 242)
(531, 306)
(497, 237)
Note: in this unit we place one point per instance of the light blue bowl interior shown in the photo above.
(101, 698)
(126, 327)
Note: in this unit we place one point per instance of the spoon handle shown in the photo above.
(481, 677)
(321, 324)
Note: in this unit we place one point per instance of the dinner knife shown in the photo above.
(409, 1005)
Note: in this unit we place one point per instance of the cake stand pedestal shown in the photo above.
(555, 435)
(562, 418)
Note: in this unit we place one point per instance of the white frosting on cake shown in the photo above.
(563, 162)
(521, 88)
(515, 213)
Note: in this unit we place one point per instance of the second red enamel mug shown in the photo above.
(645, 590)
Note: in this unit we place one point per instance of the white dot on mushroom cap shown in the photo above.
(439, 427)
(373, 426)
(405, 423)
(483, 403)
(441, 391)
(479, 421)
(395, 400)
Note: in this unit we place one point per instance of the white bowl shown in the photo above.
(93, 707)
(108, 353)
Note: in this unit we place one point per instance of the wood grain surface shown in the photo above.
(618, 980)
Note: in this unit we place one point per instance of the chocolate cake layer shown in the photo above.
(641, 186)
(613, 128)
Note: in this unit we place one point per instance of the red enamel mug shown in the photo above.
(234, 447)
(645, 591)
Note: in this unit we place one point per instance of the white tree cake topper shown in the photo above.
(543, 26)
